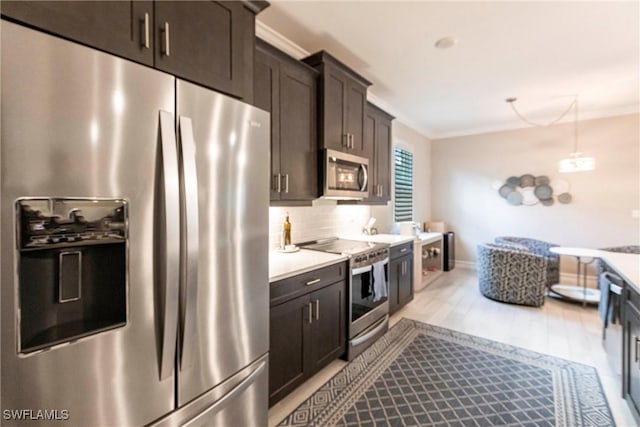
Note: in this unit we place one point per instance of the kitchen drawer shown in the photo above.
(401, 250)
(301, 284)
(632, 297)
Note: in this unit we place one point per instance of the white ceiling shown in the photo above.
(540, 52)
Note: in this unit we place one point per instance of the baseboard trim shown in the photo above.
(470, 265)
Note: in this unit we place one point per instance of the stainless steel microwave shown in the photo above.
(345, 176)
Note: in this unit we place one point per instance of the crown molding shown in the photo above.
(276, 39)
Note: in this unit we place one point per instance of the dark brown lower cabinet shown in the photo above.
(306, 334)
(400, 277)
(632, 357)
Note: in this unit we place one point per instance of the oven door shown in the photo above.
(369, 296)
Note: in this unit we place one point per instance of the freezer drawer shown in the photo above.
(239, 401)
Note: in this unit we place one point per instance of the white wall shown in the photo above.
(600, 214)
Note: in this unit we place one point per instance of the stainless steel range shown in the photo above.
(368, 289)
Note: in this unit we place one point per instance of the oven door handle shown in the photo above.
(367, 268)
(360, 270)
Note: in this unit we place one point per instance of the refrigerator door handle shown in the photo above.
(190, 243)
(227, 398)
(170, 252)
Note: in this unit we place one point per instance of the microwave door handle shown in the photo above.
(366, 177)
(190, 243)
(169, 252)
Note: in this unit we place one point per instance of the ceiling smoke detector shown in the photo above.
(446, 42)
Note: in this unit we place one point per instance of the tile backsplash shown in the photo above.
(324, 219)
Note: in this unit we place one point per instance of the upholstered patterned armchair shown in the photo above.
(510, 274)
(538, 247)
(602, 267)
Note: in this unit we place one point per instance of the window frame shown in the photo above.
(408, 149)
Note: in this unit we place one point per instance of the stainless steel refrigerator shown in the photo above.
(134, 259)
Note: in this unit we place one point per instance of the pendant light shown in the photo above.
(576, 162)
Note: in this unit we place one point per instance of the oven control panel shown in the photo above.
(369, 258)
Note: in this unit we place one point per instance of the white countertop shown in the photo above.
(284, 265)
(430, 237)
(626, 265)
(390, 239)
(577, 252)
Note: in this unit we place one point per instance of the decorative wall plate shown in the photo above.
(528, 197)
(514, 198)
(560, 186)
(543, 192)
(505, 190)
(564, 198)
(527, 180)
(542, 180)
(513, 181)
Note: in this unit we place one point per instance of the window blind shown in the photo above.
(403, 185)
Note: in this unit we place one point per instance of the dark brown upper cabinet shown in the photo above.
(206, 42)
(210, 43)
(342, 101)
(123, 28)
(377, 134)
(287, 88)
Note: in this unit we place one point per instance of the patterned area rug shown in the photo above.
(424, 375)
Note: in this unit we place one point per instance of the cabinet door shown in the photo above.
(633, 368)
(266, 95)
(369, 136)
(289, 349)
(334, 110)
(117, 27)
(395, 267)
(298, 133)
(405, 280)
(210, 43)
(328, 327)
(356, 100)
(383, 159)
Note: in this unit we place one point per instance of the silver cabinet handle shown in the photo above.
(170, 251)
(190, 242)
(404, 265)
(403, 250)
(145, 31)
(310, 307)
(352, 144)
(312, 282)
(286, 183)
(277, 184)
(317, 309)
(167, 48)
(380, 193)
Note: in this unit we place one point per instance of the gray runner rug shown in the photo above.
(423, 375)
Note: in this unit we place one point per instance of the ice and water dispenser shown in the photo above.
(72, 275)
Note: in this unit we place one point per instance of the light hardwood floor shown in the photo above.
(453, 301)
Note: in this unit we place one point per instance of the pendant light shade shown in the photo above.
(576, 162)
